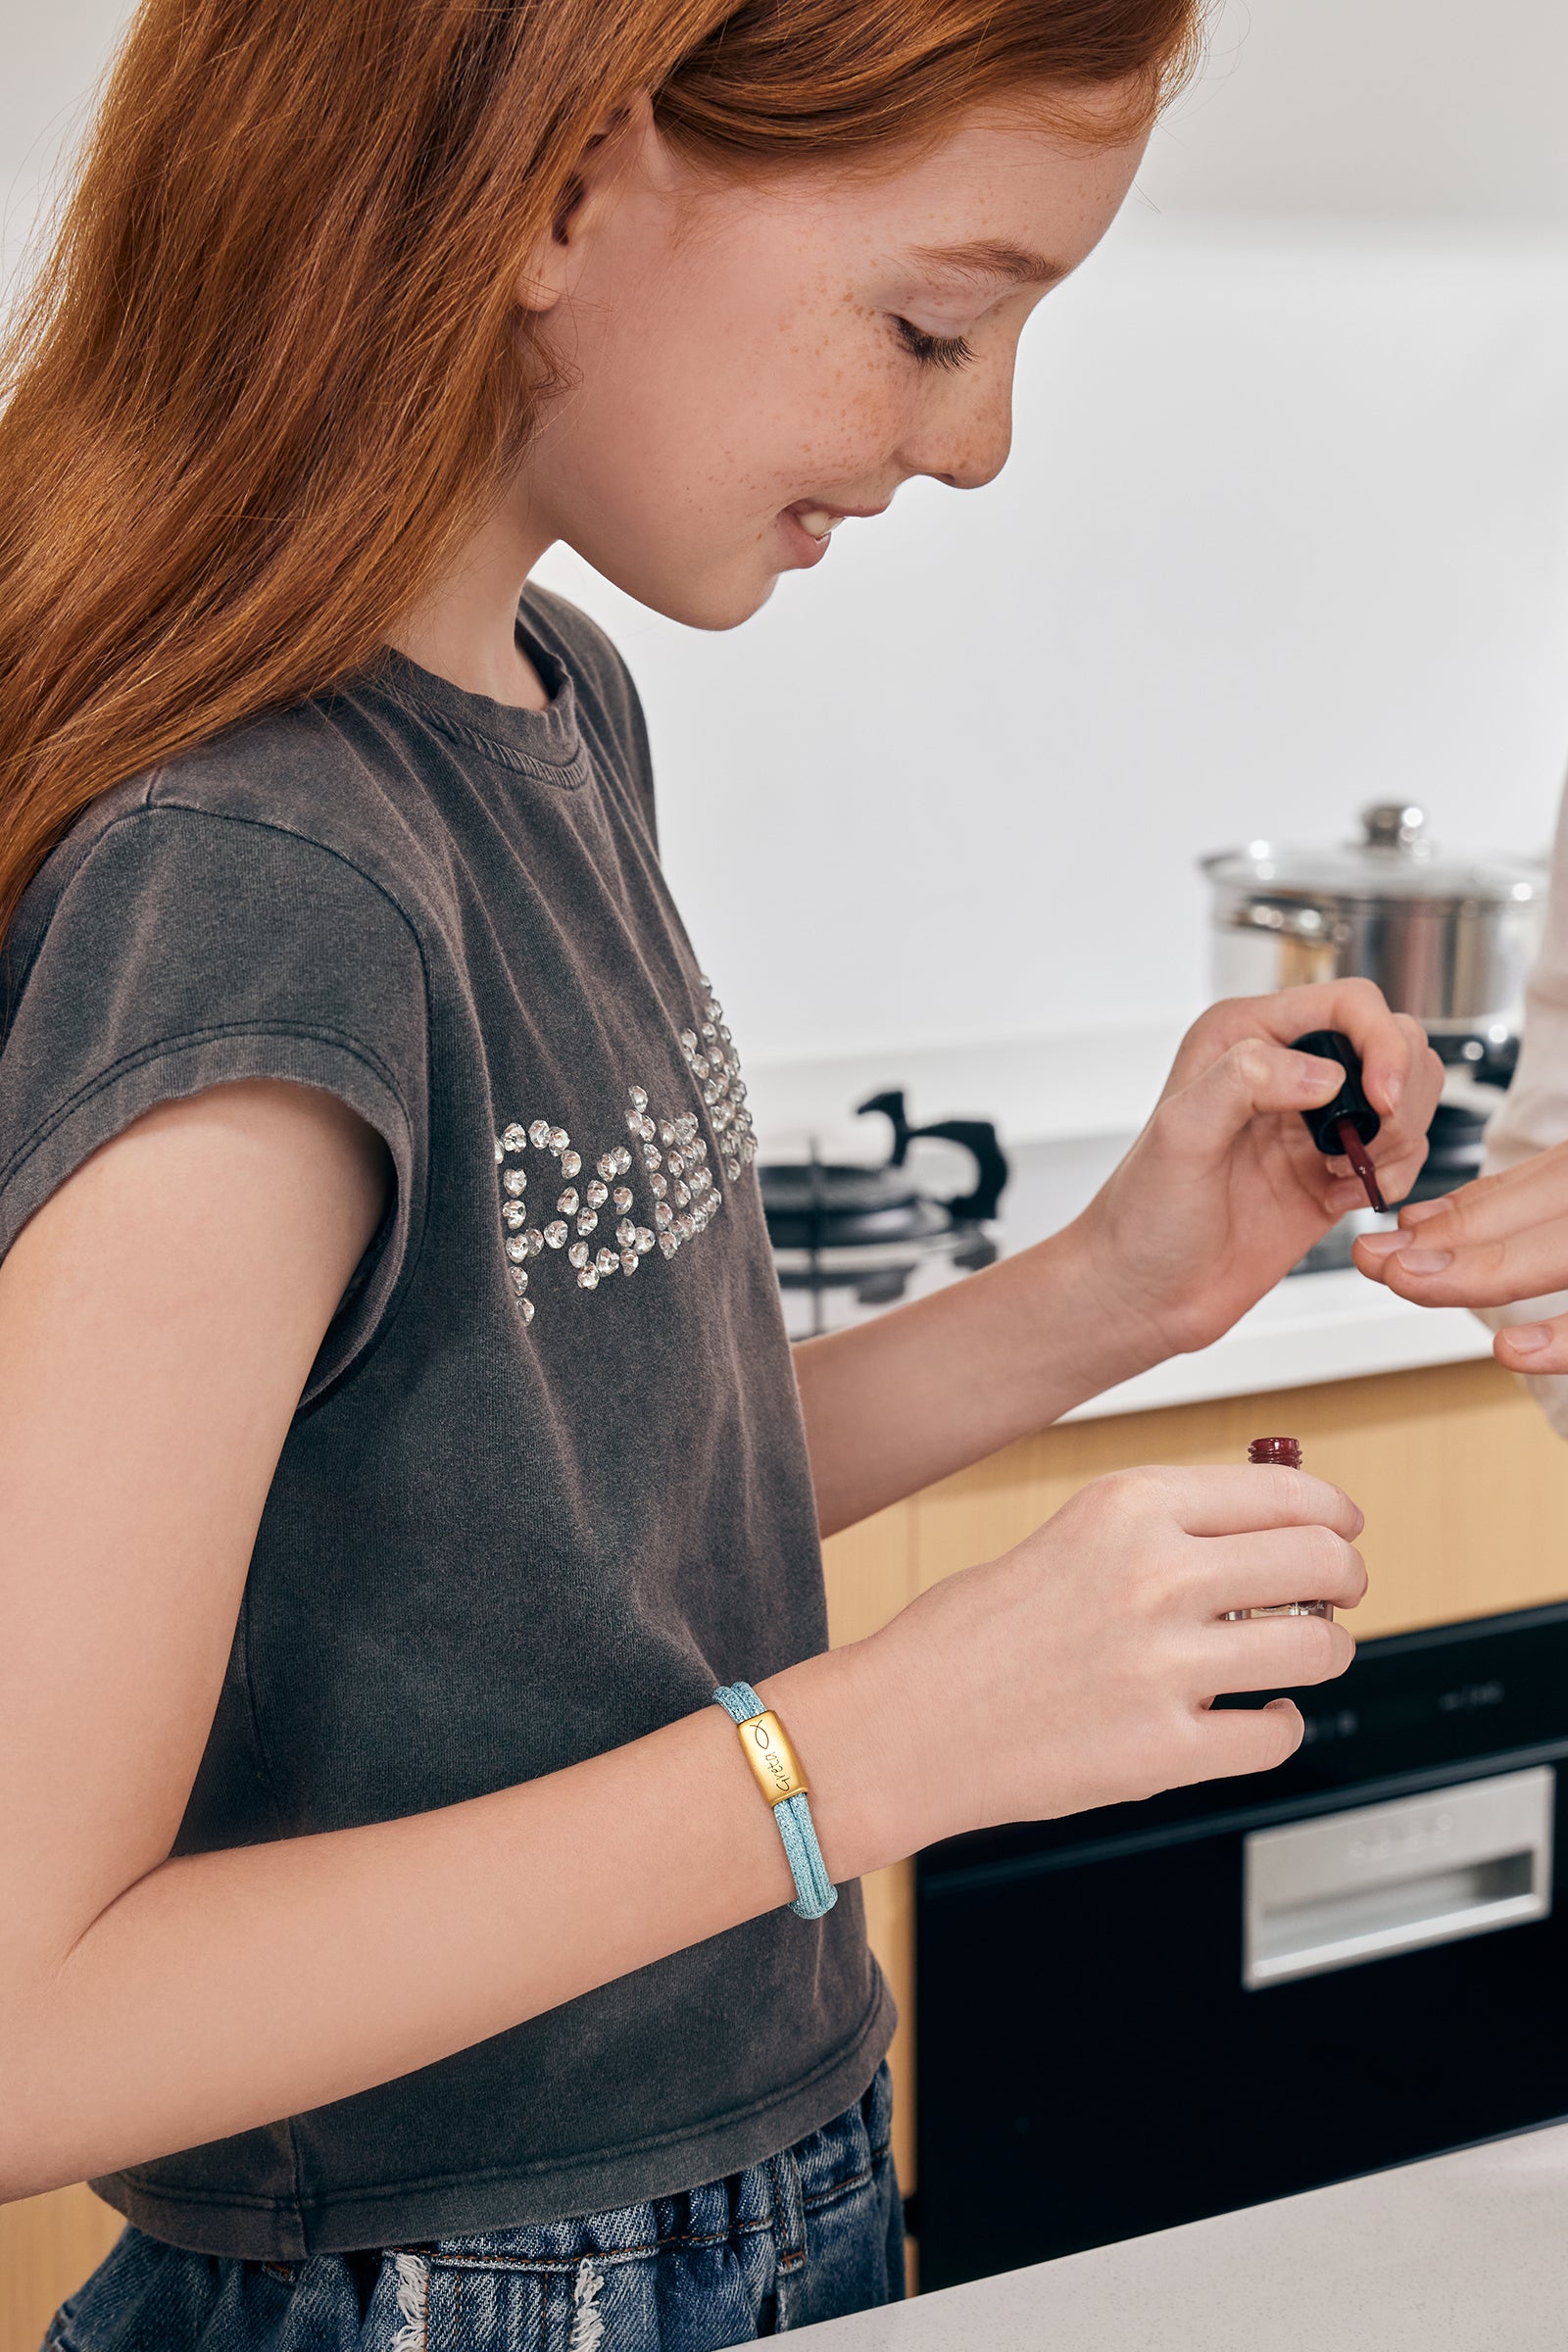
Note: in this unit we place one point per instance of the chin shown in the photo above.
(713, 600)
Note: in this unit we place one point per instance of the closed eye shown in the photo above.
(933, 350)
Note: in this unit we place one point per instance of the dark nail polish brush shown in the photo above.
(1349, 1123)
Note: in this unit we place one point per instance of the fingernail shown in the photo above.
(1415, 1211)
(1426, 1261)
(1394, 1088)
(1380, 1245)
(1528, 1336)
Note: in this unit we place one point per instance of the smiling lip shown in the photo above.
(810, 524)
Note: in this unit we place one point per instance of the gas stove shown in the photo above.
(851, 1240)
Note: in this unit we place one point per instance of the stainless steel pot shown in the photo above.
(1448, 939)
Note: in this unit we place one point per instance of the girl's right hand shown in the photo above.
(1079, 1668)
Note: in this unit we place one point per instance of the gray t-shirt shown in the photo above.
(548, 1483)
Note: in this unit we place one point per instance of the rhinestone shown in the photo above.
(686, 1126)
(716, 1203)
(622, 1159)
(634, 1121)
(597, 1194)
(709, 1031)
(663, 1216)
(588, 1221)
(515, 1215)
(651, 1155)
(607, 1166)
(514, 1137)
(629, 1261)
(684, 1226)
(535, 1240)
(723, 1115)
(683, 1195)
(539, 1134)
(625, 1233)
(519, 1279)
(526, 1307)
(577, 1255)
(700, 1148)
(659, 1186)
(646, 1129)
(554, 1233)
(700, 1066)
(588, 1279)
(666, 1132)
(709, 1095)
(638, 1097)
(643, 1241)
(622, 1198)
(608, 1261)
(558, 1139)
(688, 1041)
(501, 1150)
(669, 1243)
(516, 1180)
(569, 1204)
(517, 1247)
(723, 1031)
(571, 1162)
(699, 1219)
(675, 1163)
(732, 1169)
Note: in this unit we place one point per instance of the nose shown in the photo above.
(965, 441)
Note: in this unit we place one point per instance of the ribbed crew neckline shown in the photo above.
(504, 731)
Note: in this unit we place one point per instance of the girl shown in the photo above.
(399, 1445)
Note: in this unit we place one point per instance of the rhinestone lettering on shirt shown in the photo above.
(671, 1153)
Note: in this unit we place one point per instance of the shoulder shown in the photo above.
(283, 817)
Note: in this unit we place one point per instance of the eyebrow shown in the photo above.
(992, 257)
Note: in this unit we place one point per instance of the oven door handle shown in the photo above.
(1376, 1880)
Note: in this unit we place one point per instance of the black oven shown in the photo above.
(1149, 2014)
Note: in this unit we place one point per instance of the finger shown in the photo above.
(1534, 1347)
(1274, 1653)
(1496, 1206)
(1254, 1075)
(1235, 1498)
(1238, 1740)
(1530, 1265)
(1276, 1565)
(1400, 1072)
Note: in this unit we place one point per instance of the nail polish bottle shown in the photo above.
(1288, 1452)
(1343, 1127)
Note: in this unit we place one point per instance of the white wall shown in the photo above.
(1285, 528)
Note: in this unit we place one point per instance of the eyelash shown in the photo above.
(933, 350)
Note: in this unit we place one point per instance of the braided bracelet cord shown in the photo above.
(814, 1892)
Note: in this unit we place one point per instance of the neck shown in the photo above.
(465, 627)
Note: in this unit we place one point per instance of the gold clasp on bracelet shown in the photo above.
(771, 1758)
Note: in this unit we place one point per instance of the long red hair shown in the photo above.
(270, 372)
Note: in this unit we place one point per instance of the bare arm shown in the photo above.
(157, 1319)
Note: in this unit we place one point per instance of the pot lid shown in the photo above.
(1396, 859)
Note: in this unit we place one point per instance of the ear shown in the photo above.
(585, 203)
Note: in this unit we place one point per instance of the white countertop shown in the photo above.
(1313, 1328)
(1465, 2253)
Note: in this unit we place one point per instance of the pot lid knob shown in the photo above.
(1394, 825)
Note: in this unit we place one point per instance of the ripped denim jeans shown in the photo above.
(811, 2235)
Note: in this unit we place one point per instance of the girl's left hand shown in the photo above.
(1224, 1190)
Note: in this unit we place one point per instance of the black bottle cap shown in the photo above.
(1351, 1103)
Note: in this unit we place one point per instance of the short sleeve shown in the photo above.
(180, 948)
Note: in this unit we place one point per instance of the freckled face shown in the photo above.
(751, 360)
